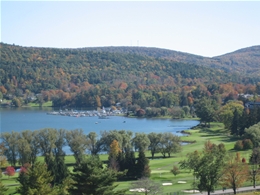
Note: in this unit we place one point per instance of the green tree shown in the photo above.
(206, 166)
(126, 140)
(24, 151)
(28, 147)
(107, 137)
(235, 123)
(141, 141)
(91, 177)
(46, 138)
(10, 143)
(253, 133)
(169, 144)
(175, 170)
(205, 110)
(142, 166)
(36, 181)
(3, 189)
(130, 164)
(243, 122)
(226, 113)
(78, 143)
(58, 169)
(155, 139)
(93, 144)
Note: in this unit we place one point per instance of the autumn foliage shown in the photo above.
(10, 171)
(235, 173)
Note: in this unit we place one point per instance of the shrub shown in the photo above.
(239, 145)
(247, 144)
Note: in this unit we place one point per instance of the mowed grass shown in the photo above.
(160, 167)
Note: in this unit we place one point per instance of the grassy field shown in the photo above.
(160, 167)
(45, 104)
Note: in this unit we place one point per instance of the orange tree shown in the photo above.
(235, 173)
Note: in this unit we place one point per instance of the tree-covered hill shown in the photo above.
(244, 61)
(40, 69)
(106, 75)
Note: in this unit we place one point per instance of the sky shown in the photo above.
(206, 28)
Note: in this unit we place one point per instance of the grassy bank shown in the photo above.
(45, 104)
(160, 167)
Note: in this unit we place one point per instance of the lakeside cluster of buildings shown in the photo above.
(102, 113)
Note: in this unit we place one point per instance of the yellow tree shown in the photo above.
(3, 160)
(235, 173)
(113, 153)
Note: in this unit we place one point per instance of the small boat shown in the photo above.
(103, 117)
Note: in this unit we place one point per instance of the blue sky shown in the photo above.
(199, 27)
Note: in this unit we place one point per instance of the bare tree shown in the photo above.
(147, 186)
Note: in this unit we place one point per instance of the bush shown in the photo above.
(247, 144)
(239, 145)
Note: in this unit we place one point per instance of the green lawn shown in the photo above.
(160, 167)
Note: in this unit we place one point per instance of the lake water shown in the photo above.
(19, 119)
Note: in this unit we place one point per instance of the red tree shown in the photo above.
(10, 171)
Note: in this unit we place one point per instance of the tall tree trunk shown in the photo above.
(235, 190)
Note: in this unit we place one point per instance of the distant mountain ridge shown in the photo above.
(244, 61)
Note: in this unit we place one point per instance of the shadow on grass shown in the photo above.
(230, 139)
(214, 132)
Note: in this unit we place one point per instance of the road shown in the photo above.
(230, 191)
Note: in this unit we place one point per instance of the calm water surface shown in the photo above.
(19, 119)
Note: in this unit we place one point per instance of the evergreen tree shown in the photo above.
(3, 189)
(58, 169)
(258, 114)
(121, 159)
(130, 164)
(252, 116)
(36, 181)
(243, 122)
(90, 177)
(142, 166)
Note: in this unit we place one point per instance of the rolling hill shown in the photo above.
(244, 61)
(110, 74)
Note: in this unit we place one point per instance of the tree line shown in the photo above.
(25, 147)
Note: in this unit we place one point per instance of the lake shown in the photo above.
(19, 119)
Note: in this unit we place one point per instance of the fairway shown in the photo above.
(160, 167)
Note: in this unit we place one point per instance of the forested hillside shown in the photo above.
(98, 77)
(244, 61)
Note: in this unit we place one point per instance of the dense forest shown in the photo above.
(93, 77)
(243, 61)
